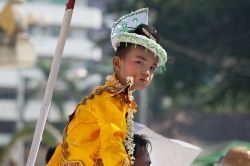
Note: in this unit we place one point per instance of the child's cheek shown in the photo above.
(131, 68)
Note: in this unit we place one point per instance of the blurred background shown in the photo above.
(202, 98)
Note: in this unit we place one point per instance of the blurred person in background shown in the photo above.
(238, 156)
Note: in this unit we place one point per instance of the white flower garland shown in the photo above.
(109, 77)
(129, 141)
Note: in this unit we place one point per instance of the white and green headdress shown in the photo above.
(121, 32)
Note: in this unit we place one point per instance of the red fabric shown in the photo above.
(70, 4)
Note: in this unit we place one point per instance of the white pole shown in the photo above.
(50, 84)
(143, 112)
(20, 122)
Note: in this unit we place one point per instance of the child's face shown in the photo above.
(142, 159)
(140, 64)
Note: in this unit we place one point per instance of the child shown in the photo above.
(100, 131)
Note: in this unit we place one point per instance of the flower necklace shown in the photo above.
(129, 141)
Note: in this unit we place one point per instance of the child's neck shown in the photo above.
(121, 81)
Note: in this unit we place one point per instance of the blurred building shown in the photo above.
(45, 18)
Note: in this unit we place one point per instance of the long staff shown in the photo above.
(51, 84)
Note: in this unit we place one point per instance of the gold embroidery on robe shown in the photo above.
(65, 162)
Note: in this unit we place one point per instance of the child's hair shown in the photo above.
(141, 145)
(142, 29)
(50, 153)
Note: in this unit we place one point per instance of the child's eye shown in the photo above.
(152, 68)
(139, 62)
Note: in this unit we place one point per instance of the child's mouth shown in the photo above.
(144, 81)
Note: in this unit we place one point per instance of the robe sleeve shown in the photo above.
(111, 119)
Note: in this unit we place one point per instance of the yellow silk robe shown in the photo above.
(96, 131)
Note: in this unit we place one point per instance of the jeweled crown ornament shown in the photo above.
(127, 23)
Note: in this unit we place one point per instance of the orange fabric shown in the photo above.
(96, 131)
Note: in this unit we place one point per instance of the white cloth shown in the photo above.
(168, 152)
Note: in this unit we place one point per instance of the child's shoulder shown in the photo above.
(102, 94)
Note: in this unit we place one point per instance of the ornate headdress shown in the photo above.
(121, 32)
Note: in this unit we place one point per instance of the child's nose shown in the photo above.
(146, 72)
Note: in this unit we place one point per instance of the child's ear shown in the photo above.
(116, 63)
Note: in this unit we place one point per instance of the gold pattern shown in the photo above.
(99, 162)
(65, 162)
(65, 154)
(84, 101)
(65, 145)
(126, 162)
(98, 91)
(115, 89)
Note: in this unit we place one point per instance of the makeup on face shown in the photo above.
(140, 65)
